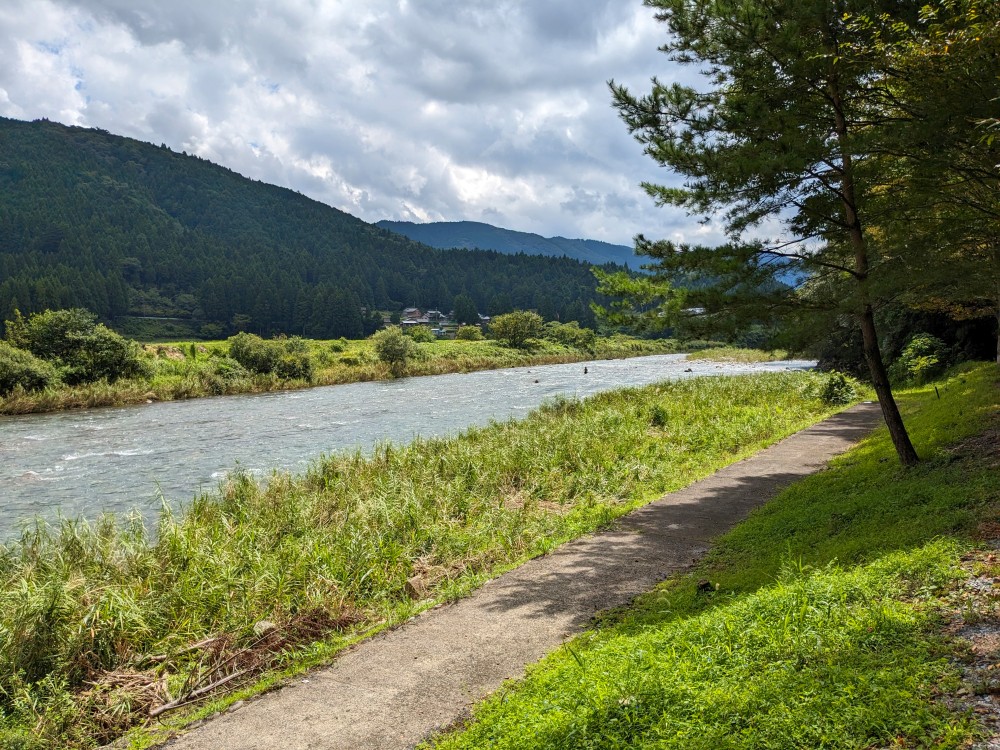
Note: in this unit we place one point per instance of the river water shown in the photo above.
(81, 463)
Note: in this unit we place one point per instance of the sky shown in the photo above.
(417, 110)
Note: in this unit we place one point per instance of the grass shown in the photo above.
(188, 369)
(735, 354)
(820, 624)
(99, 623)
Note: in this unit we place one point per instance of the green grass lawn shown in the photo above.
(821, 625)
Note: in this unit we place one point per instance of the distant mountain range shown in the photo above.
(476, 235)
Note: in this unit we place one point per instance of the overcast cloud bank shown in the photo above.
(419, 111)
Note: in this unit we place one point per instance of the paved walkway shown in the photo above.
(397, 688)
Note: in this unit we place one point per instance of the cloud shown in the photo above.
(491, 110)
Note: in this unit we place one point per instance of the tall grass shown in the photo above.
(101, 620)
(820, 626)
(735, 354)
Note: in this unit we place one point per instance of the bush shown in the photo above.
(570, 334)
(254, 353)
(106, 355)
(515, 328)
(421, 334)
(289, 359)
(838, 389)
(295, 366)
(469, 333)
(923, 357)
(220, 374)
(393, 348)
(53, 335)
(19, 368)
(81, 349)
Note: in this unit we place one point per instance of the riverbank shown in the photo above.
(100, 624)
(827, 619)
(187, 369)
(736, 354)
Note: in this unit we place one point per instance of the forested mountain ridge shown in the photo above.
(477, 235)
(119, 226)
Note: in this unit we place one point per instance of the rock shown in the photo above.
(416, 587)
(264, 627)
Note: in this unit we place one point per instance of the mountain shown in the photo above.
(126, 228)
(476, 235)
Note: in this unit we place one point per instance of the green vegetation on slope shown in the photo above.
(818, 624)
(89, 219)
(99, 623)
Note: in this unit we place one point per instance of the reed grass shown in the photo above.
(99, 622)
(821, 624)
(735, 354)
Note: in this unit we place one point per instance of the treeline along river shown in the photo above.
(82, 463)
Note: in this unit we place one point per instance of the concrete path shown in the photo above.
(397, 688)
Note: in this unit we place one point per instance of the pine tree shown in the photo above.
(790, 135)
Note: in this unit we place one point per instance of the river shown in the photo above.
(81, 463)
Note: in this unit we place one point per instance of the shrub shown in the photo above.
(393, 348)
(289, 359)
(228, 369)
(838, 389)
(421, 334)
(570, 334)
(515, 328)
(53, 335)
(254, 353)
(105, 354)
(469, 333)
(923, 357)
(295, 366)
(81, 349)
(220, 374)
(296, 345)
(19, 368)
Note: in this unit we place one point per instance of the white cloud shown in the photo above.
(489, 110)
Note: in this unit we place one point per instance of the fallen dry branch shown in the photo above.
(221, 665)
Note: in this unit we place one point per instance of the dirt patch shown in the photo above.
(984, 447)
(427, 576)
(165, 352)
(518, 500)
(974, 619)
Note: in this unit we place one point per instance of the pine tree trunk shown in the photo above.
(855, 235)
(880, 380)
